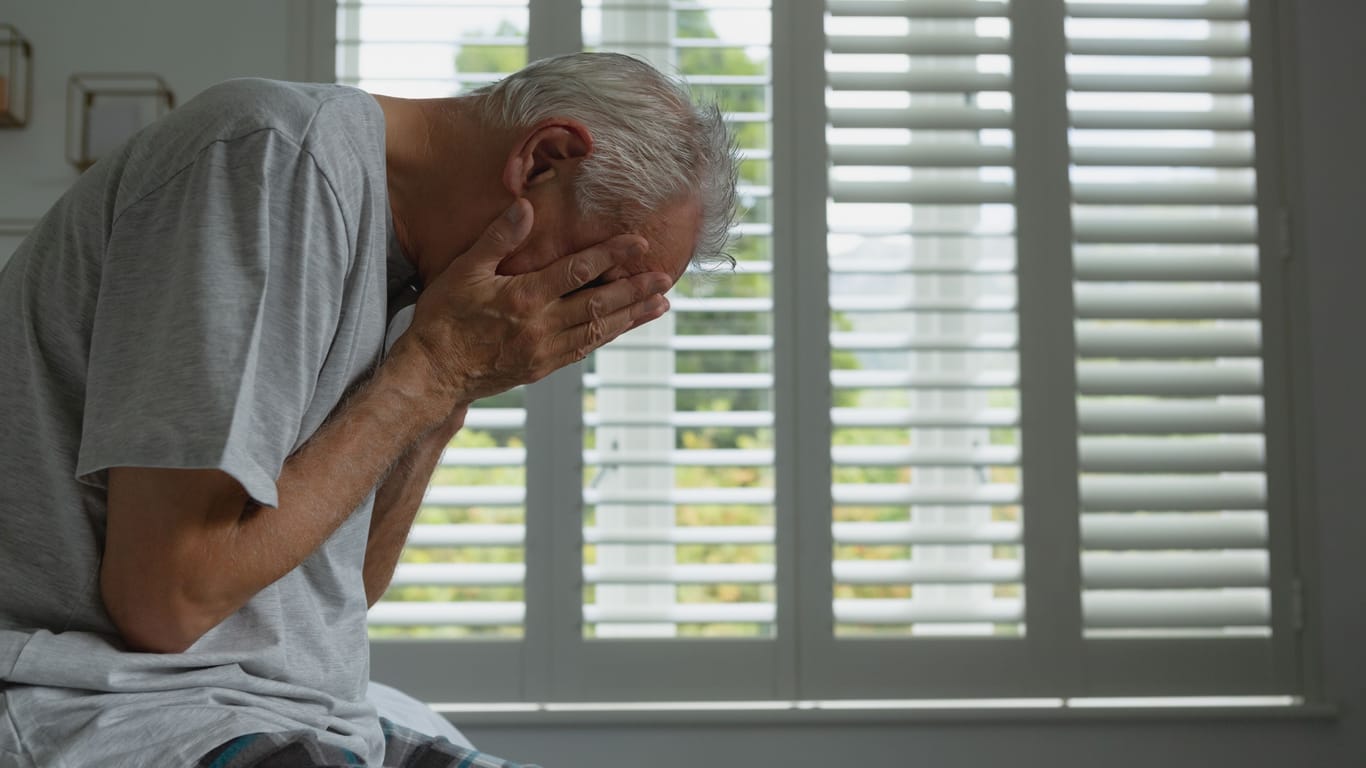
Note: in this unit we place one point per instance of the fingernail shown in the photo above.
(637, 249)
(514, 214)
(659, 305)
(661, 284)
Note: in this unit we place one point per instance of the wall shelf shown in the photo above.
(16, 77)
(104, 110)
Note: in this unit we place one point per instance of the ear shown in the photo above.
(549, 150)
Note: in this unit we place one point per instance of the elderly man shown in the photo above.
(211, 461)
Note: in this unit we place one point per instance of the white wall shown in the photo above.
(194, 43)
(9, 240)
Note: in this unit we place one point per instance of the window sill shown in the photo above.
(883, 712)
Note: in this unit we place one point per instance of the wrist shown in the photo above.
(408, 372)
(447, 429)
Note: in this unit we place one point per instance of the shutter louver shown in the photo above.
(429, 50)
(1169, 372)
(924, 370)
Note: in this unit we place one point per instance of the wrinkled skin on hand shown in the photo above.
(483, 333)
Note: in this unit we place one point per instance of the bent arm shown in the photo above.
(185, 548)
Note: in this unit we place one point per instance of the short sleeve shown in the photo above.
(220, 295)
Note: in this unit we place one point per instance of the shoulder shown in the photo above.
(238, 107)
(340, 128)
(254, 122)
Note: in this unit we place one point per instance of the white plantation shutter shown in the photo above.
(929, 107)
(677, 542)
(678, 534)
(678, 414)
(924, 371)
(1155, 341)
(988, 407)
(1172, 419)
(463, 574)
(926, 588)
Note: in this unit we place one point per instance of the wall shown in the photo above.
(196, 43)
(192, 44)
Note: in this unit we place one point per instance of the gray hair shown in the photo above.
(651, 144)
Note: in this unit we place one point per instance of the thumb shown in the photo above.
(502, 236)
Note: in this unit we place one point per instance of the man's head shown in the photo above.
(648, 160)
(600, 144)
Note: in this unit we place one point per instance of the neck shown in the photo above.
(437, 155)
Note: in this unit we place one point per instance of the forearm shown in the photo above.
(397, 501)
(166, 599)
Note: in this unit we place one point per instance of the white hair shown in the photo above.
(652, 146)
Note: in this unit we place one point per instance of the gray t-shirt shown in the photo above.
(201, 300)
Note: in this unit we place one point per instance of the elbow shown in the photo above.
(150, 640)
(154, 620)
(167, 575)
(376, 582)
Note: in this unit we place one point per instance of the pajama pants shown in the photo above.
(403, 748)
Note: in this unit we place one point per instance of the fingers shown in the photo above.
(599, 301)
(570, 273)
(577, 342)
(502, 236)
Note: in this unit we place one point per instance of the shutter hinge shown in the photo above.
(1297, 604)
(1287, 243)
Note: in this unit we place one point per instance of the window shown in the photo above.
(986, 409)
